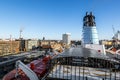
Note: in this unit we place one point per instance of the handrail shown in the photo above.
(117, 52)
(26, 70)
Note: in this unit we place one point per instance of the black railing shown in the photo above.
(83, 68)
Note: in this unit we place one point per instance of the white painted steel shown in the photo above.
(97, 47)
(26, 70)
(90, 35)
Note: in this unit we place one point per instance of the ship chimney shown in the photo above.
(90, 35)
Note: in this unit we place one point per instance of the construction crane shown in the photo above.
(113, 31)
(21, 30)
(115, 39)
(11, 43)
(20, 37)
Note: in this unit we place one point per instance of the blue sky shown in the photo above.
(52, 18)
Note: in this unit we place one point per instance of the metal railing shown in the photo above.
(83, 68)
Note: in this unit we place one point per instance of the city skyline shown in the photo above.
(52, 18)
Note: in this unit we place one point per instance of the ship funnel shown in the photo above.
(90, 35)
